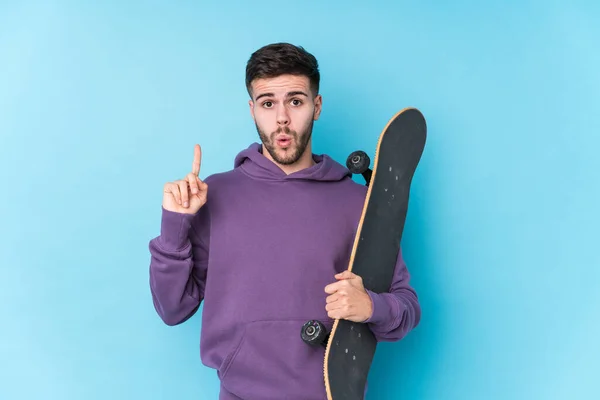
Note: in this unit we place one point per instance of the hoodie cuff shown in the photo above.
(174, 229)
(382, 315)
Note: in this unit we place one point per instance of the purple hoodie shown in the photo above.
(259, 255)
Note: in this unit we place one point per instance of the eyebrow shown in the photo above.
(289, 94)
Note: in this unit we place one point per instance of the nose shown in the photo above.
(282, 115)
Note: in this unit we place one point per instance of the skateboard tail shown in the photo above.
(351, 346)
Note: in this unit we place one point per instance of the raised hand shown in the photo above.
(187, 195)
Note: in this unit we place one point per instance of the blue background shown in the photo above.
(100, 104)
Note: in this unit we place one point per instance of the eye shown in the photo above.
(268, 104)
(296, 102)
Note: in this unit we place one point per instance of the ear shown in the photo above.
(251, 104)
(318, 107)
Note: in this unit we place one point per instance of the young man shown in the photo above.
(266, 247)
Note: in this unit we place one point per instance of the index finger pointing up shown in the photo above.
(197, 158)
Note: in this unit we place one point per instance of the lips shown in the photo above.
(283, 141)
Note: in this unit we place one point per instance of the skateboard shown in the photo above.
(350, 347)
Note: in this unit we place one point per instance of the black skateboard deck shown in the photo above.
(350, 346)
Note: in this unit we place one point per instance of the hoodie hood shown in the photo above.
(252, 161)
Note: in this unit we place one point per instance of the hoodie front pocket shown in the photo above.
(231, 356)
(272, 362)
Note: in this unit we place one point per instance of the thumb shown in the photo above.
(201, 185)
(345, 275)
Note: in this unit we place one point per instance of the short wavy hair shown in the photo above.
(278, 59)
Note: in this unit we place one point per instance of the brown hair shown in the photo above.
(282, 58)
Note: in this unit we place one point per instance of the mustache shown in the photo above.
(285, 130)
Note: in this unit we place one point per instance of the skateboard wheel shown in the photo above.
(314, 333)
(358, 162)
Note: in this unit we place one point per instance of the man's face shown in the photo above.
(284, 109)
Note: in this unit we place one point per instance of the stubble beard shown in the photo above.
(299, 143)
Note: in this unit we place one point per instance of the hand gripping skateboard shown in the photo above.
(350, 346)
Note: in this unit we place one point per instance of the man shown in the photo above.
(265, 245)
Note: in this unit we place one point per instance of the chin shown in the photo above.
(288, 156)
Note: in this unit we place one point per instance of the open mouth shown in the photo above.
(284, 141)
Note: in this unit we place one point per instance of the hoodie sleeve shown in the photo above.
(398, 311)
(178, 265)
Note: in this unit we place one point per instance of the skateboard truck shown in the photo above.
(358, 163)
(314, 333)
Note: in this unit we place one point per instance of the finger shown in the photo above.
(197, 160)
(201, 184)
(333, 306)
(339, 304)
(336, 314)
(341, 310)
(183, 189)
(332, 298)
(345, 275)
(174, 190)
(193, 182)
(332, 288)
